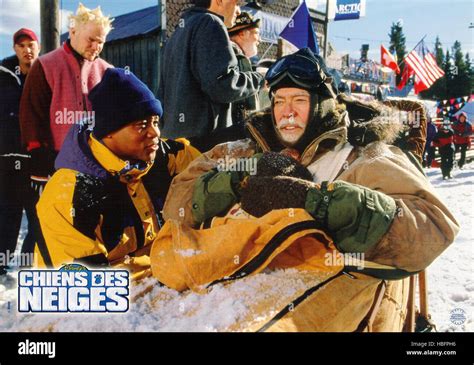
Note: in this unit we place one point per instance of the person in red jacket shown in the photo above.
(55, 96)
(56, 91)
(444, 141)
(462, 137)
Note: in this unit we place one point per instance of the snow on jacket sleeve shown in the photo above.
(65, 242)
(215, 66)
(73, 227)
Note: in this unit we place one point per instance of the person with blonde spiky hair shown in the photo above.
(85, 15)
(88, 30)
(56, 91)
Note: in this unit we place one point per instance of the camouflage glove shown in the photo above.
(356, 217)
(216, 191)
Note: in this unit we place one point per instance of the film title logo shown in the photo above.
(73, 288)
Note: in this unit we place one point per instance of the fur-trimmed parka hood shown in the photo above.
(361, 123)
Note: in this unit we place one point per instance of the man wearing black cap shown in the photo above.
(14, 192)
(104, 202)
(357, 188)
(245, 37)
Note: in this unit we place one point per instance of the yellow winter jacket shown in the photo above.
(328, 297)
(239, 245)
(97, 209)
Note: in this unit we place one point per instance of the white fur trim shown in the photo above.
(328, 166)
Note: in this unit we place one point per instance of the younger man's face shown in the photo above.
(138, 140)
(88, 40)
(230, 11)
(27, 51)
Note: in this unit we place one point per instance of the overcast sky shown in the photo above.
(449, 19)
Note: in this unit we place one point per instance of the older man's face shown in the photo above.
(291, 108)
(88, 40)
(248, 40)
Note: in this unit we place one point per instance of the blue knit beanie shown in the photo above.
(119, 99)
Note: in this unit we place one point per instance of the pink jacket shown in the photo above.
(70, 84)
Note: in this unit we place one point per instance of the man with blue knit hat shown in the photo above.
(103, 204)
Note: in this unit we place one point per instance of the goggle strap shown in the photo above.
(302, 84)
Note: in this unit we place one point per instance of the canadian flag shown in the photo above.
(388, 60)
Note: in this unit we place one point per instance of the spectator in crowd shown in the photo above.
(462, 137)
(14, 180)
(200, 76)
(245, 37)
(444, 141)
(57, 88)
(430, 150)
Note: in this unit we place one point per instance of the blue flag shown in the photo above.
(299, 31)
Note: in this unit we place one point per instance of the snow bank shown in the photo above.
(235, 306)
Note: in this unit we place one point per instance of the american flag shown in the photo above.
(422, 63)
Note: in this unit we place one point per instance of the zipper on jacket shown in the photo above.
(290, 307)
(272, 245)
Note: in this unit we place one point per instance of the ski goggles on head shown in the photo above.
(302, 68)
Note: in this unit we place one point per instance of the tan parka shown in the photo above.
(422, 229)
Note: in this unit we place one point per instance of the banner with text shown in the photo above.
(346, 9)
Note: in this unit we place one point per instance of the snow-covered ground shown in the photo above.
(244, 305)
(450, 288)
(451, 276)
